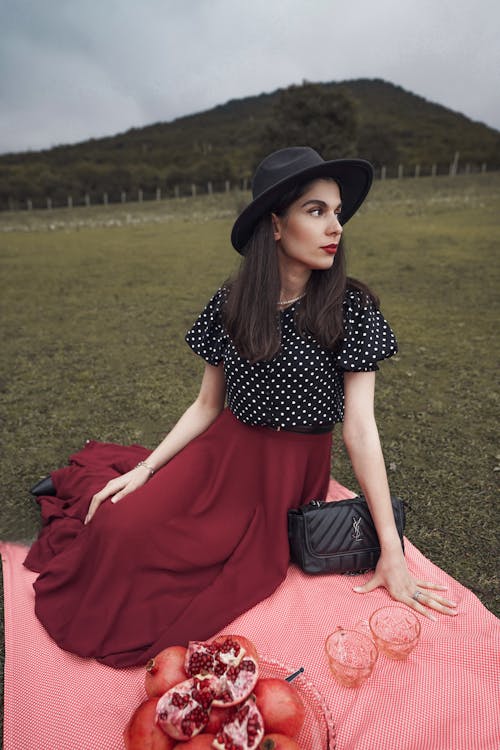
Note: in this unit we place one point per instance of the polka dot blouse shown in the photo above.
(304, 383)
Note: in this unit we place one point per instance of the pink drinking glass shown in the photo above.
(351, 656)
(395, 630)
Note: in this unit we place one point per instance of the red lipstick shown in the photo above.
(330, 249)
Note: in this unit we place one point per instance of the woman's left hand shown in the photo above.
(422, 596)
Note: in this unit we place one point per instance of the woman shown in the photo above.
(143, 550)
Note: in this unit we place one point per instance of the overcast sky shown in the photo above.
(75, 69)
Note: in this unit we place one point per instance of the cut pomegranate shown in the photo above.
(215, 657)
(183, 711)
(199, 658)
(243, 730)
(226, 659)
(237, 683)
(249, 648)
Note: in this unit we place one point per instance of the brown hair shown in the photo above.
(250, 313)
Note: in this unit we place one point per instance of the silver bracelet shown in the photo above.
(148, 467)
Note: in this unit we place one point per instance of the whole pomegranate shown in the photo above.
(225, 658)
(217, 716)
(200, 742)
(280, 705)
(165, 670)
(182, 712)
(142, 733)
(243, 730)
(278, 742)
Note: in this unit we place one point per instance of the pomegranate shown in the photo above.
(216, 718)
(165, 670)
(249, 648)
(243, 730)
(280, 705)
(200, 742)
(142, 733)
(182, 712)
(200, 658)
(277, 741)
(227, 660)
(237, 683)
(214, 657)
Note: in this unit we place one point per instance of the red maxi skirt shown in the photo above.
(201, 542)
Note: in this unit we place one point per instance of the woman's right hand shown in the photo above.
(117, 488)
(195, 420)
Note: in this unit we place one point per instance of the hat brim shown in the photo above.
(354, 177)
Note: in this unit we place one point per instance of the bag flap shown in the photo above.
(339, 527)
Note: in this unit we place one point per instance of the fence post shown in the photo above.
(49, 204)
(454, 164)
(483, 168)
(29, 204)
(245, 184)
(123, 196)
(193, 190)
(417, 170)
(70, 201)
(383, 172)
(400, 171)
(105, 199)
(158, 194)
(177, 191)
(227, 186)
(87, 200)
(140, 195)
(210, 189)
(434, 170)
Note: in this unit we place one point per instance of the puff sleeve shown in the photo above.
(368, 338)
(207, 336)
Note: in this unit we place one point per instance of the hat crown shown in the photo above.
(283, 164)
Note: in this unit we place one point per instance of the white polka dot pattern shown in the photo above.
(304, 383)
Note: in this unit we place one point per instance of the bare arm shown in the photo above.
(362, 442)
(195, 420)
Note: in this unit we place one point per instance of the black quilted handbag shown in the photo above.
(338, 536)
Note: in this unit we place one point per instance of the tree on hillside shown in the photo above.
(312, 115)
(377, 145)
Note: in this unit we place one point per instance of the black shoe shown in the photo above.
(44, 487)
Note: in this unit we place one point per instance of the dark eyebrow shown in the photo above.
(317, 201)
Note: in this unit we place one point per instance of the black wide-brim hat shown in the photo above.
(282, 169)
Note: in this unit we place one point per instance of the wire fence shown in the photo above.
(116, 196)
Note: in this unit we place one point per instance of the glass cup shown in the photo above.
(351, 656)
(395, 630)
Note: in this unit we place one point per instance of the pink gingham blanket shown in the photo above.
(445, 696)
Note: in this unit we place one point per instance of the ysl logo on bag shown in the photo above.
(356, 531)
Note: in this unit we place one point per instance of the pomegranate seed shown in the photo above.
(248, 665)
(178, 700)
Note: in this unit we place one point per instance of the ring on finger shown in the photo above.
(417, 595)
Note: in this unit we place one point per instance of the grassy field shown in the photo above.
(96, 301)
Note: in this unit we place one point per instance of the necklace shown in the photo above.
(291, 301)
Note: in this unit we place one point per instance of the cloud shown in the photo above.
(75, 70)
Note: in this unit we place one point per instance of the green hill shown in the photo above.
(394, 127)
